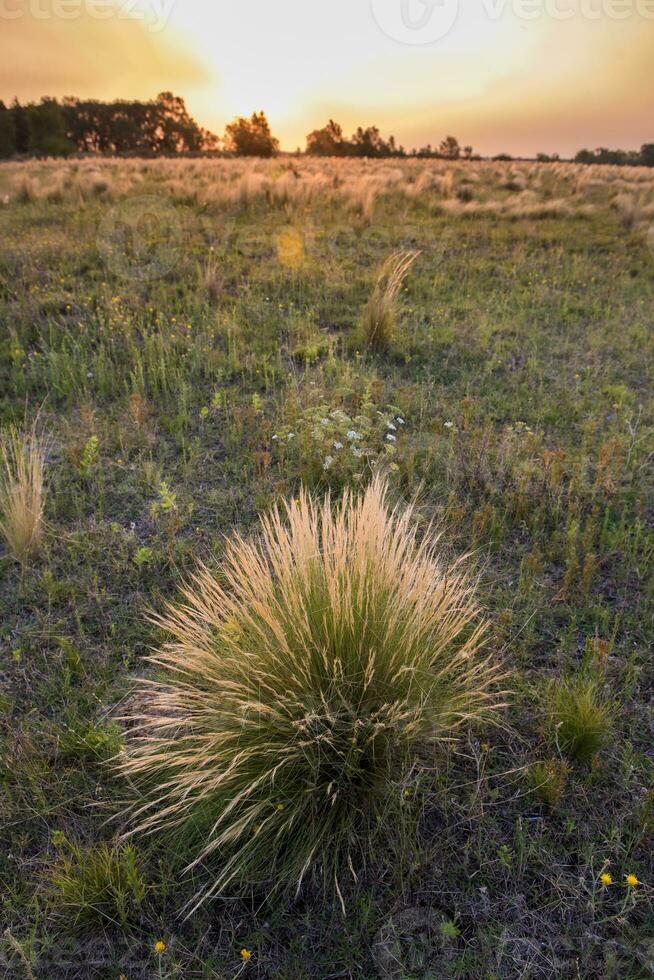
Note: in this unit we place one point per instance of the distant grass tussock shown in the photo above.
(379, 316)
(301, 687)
(22, 492)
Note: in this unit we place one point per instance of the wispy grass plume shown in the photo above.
(22, 492)
(329, 656)
(379, 316)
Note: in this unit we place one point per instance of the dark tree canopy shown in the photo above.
(620, 158)
(251, 137)
(327, 142)
(330, 142)
(52, 128)
(163, 126)
(449, 148)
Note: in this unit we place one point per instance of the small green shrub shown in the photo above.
(579, 717)
(89, 457)
(329, 658)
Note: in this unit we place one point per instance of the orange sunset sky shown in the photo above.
(571, 74)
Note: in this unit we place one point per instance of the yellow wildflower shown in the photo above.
(632, 880)
(159, 946)
(246, 955)
(606, 878)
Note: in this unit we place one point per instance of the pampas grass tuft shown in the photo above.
(22, 492)
(327, 658)
(379, 315)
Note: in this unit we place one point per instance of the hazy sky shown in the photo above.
(514, 75)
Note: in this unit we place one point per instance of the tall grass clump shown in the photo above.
(329, 656)
(210, 278)
(379, 317)
(22, 492)
(629, 209)
(579, 716)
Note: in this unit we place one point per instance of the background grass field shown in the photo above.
(182, 372)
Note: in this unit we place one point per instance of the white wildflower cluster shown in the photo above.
(335, 446)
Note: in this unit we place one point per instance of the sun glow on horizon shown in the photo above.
(496, 79)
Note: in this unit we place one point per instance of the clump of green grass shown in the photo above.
(580, 718)
(548, 780)
(379, 317)
(22, 492)
(330, 656)
(102, 884)
(93, 741)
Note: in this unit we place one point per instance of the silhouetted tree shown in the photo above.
(251, 137)
(620, 158)
(450, 148)
(7, 136)
(368, 142)
(47, 129)
(21, 127)
(175, 130)
(647, 155)
(327, 142)
(52, 128)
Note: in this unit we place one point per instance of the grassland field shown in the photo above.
(187, 334)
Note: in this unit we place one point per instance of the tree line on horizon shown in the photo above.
(53, 128)
(163, 126)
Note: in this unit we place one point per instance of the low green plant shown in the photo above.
(103, 884)
(95, 741)
(89, 457)
(328, 658)
(580, 717)
(548, 779)
(144, 556)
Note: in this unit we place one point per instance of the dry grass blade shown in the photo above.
(22, 492)
(629, 209)
(380, 312)
(297, 690)
(210, 278)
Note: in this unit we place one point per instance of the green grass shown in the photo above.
(579, 717)
(521, 365)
